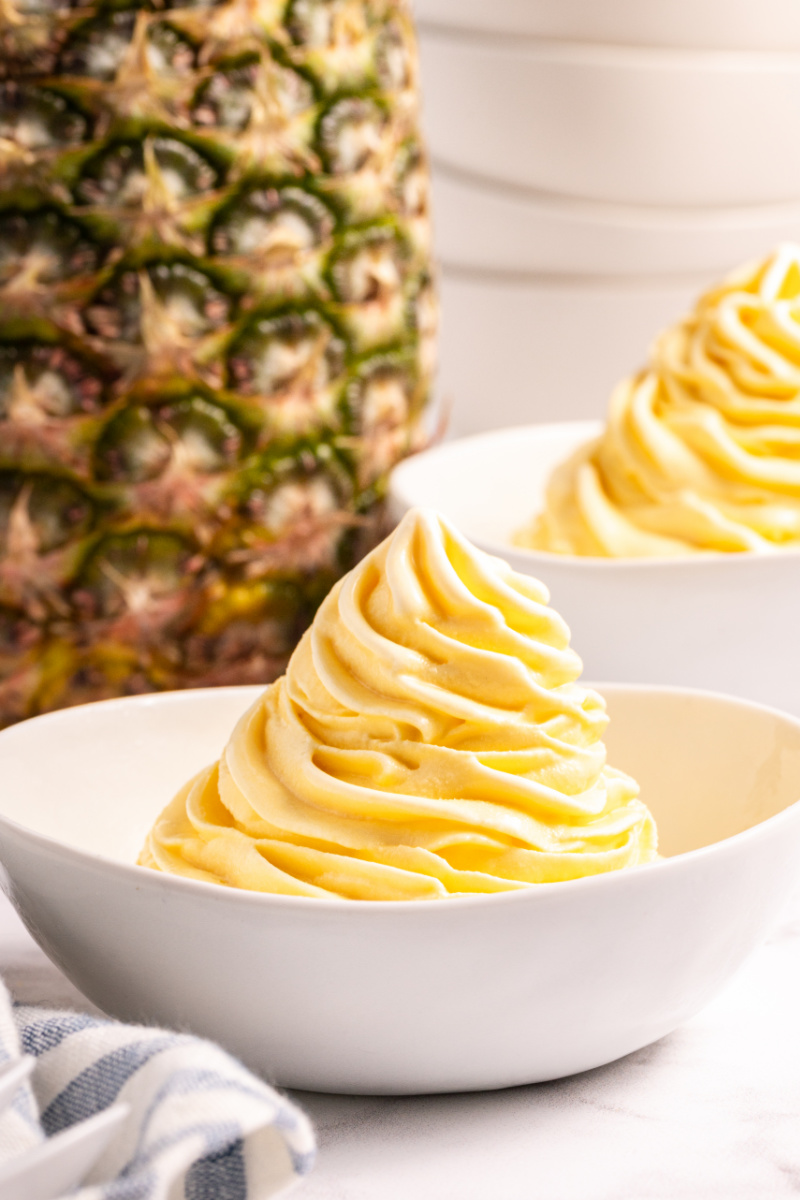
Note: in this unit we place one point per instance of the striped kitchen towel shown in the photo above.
(200, 1126)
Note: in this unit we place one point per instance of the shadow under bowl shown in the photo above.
(432, 996)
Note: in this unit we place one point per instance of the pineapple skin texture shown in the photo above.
(217, 330)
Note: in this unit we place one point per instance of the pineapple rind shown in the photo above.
(215, 329)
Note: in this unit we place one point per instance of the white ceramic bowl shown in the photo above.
(516, 349)
(722, 621)
(620, 124)
(691, 24)
(473, 992)
(484, 226)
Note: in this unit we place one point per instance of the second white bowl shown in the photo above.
(722, 621)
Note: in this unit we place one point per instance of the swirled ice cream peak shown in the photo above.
(701, 450)
(429, 738)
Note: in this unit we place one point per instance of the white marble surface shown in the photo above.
(711, 1112)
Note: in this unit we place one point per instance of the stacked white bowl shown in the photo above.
(595, 167)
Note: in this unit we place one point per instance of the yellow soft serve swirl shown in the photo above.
(702, 449)
(428, 739)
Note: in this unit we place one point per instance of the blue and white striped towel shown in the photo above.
(201, 1127)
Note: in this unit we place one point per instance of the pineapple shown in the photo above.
(217, 327)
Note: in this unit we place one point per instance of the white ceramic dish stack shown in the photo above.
(631, 149)
(684, 24)
(486, 227)
(519, 348)
(624, 125)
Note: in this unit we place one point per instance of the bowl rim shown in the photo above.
(136, 874)
(592, 427)
(620, 216)
(614, 55)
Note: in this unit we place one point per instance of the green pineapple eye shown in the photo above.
(371, 267)
(393, 59)
(98, 47)
(119, 175)
(47, 379)
(381, 402)
(167, 52)
(381, 397)
(310, 22)
(291, 91)
(43, 248)
(336, 41)
(115, 312)
(132, 571)
(412, 190)
(288, 218)
(274, 355)
(369, 273)
(35, 119)
(132, 448)
(284, 490)
(226, 100)
(43, 511)
(352, 133)
(189, 299)
(208, 438)
(191, 305)
(292, 502)
(139, 443)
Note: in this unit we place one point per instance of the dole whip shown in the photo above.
(428, 739)
(701, 450)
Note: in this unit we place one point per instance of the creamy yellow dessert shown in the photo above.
(701, 450)
(428, 739)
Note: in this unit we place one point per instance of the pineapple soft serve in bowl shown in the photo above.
(386, 821)
(670, 539)
(428, 739)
